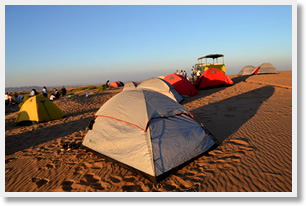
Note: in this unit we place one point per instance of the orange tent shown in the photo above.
(212, 77)
(116, 84)
(181, 85)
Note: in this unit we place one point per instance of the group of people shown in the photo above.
(55, 93)
(13, 98)
(182, 73)
(194, 74)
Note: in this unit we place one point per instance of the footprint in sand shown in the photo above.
(50, 166)
(40, 158)
(97, 165)
(67, 185)
(86, 165)
(168, 187)
(92, 181)
(79, 170)
(210, 172)
(40, 181)
(129, 179)
(115, 179)
(9, 160)
(91, 178)
(131, 188)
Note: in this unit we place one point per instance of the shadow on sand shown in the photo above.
(214, 89)
(29, 139)
(239, 79)
(225, 117)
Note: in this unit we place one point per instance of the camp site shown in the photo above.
(160, 134)
(149, 100)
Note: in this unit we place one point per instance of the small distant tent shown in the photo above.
(117, 84)
(129, 85)
(212, 77)
(147, 132)
(266, 68)
(38, 109)
(181, 84)
(247, 70)
(161, 86)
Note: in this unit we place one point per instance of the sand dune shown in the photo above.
(252, 120)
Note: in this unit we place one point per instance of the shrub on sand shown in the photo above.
(102, 87)
(88, 87)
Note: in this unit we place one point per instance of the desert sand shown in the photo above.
(251, 119)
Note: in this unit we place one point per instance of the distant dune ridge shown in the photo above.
(22, 89)
(251, 119)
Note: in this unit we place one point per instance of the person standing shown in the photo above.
(63, 91)
(107, 84)
(185, 74)
(45, 92)
(192, 75)
(7, 99)
(198, 74)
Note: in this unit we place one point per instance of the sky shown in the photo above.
(83, 45)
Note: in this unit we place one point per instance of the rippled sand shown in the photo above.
(252, 120)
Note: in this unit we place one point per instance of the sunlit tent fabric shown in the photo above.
(117, 84)
(212, 77)
(266, 68)
(129, 85)
(181, 85)
(38, 109)
(148, 132)
(247, 70)
(161, 86)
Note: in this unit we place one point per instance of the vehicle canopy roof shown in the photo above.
(214, 56)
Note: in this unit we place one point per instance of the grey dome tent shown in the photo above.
(129, 85)
(161, 86)
(266, 68)
(247, 70)
(147, 132)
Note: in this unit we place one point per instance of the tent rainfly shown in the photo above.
(212, 77)
(266, 68)
(161, 86)
(147, 132)
(247, 70)
(181, 85)
(38, 109)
